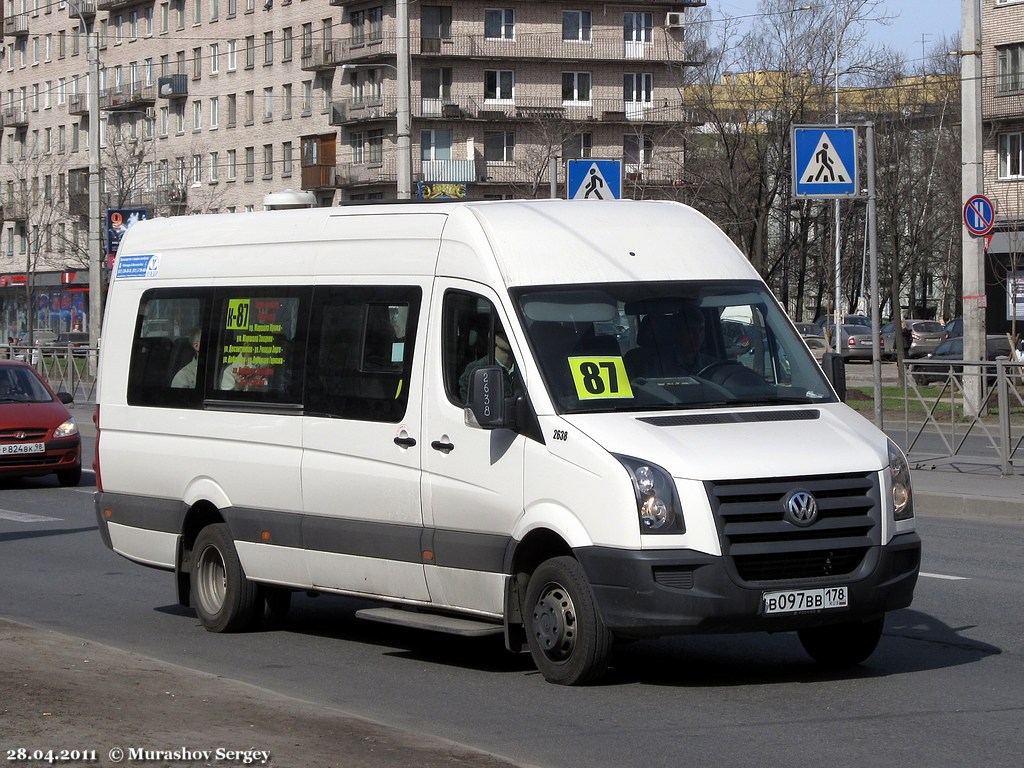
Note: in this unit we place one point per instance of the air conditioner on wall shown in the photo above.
(675, 19)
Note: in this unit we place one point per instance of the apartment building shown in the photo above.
(1003, 151)
(209, 105)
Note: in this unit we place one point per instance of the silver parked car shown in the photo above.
(919, 338)
(855, 341)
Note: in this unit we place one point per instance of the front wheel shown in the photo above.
(568, 639)
(842, 645)
(224, 599)
(69, 478)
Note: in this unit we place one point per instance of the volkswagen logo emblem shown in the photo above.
(801, 508)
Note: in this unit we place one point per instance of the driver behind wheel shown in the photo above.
(670, 344)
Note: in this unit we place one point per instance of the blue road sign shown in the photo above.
(591, 179)
(824, 161)
(979, 215)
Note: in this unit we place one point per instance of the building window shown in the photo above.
(498, 85)
(1011, 157)
(499, 146)
(499, 24)
(576, 26)
(268, 104)
(268, 161)
(197, 115)
(356, 141)
(197, 63)
(578, 146)
(286, 44)
(214, 112)
(375, 24)
(268, 48)
(232, 55)
(436, 22)
(1010, 68)
(357, 20)
(232, 110)
(637, 150)
(576, 87)
(232, 165)
(214, 169)
(436, 145)
(250, 163)
(250, 52)
(637, 27)
(214, 58)
(375, 139)
(286, 159)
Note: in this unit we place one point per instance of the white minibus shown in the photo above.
(567, 422)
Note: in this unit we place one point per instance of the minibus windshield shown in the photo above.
(666, 346)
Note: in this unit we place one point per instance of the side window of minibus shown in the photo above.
(164, 356)
(470, 326)
(361, 345)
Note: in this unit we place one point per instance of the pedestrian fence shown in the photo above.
(964, 411)
(67, 369)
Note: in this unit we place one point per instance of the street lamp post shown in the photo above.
(403, 117)
(95, 254)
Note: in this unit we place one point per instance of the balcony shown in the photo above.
(15, 116)
(78, 104)
(86, 7)
(173, 196)
(127, 97)
(319, 177)
(449, 170)
(172, 87)
(16, 26)
(323, 57)
(15, 209)
(115, 5)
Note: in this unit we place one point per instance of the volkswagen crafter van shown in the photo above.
(569, 422)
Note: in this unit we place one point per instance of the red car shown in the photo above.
(38, 435)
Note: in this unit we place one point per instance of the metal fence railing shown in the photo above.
(67, 369)
(964, 410)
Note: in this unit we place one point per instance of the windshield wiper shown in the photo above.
(776, 401)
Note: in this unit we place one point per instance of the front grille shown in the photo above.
(29, 460)
(764, 547)
(32, 434)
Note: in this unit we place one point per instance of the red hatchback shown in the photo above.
(38, 435)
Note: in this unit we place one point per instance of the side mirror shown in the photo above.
(835, 371)
(486, 407)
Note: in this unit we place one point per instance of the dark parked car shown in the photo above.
(946, 358)
(923, 337)
(955, 327)
(38, 435)
(808, 329)
(77, 340)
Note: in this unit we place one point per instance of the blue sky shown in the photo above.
(933, 18)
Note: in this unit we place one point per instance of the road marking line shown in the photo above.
(24, 517)
(942, 576)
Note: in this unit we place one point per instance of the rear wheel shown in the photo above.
(842, 645)
(224, 599)
(568, 640)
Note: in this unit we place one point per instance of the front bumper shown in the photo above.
(662, 592)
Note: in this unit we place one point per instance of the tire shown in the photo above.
(842, 645)
(568, 639)
(224, 599)
(69, 478)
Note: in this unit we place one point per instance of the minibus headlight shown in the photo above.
(902, 493)
(656, 499)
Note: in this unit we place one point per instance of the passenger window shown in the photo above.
(163, 353)
(361, 350)
(257, 351)
(473, 337)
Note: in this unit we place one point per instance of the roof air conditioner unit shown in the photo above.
(675, 19)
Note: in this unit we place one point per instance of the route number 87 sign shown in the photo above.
(599, 377)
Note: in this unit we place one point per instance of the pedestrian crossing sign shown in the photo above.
(591, 179)
(824, 161)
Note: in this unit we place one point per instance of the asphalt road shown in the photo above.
(943, 689)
